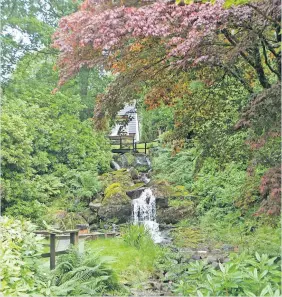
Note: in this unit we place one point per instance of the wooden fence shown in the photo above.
(74, 237)
(73, 234)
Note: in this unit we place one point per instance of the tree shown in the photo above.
(27, 26)
(48, 153)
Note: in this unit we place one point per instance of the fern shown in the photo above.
(86, 274)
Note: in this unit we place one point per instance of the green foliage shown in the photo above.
(83, 274)
(177, 169)
(27, 26)
(247, 233)
(218, 186)
(137, 236)
(155, 121)
(19, 254)
(56, 155)
(187, 237)
(244, 275)
(133, 265)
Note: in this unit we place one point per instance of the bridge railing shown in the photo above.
(127, 143)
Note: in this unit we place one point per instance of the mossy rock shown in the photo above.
(174, 214)
(136, 186)
(115, 194)
(162, 188)
(116, 205)
(121, 176)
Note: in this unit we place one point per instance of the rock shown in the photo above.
(86, 213)
(196, 257)
(116, 205)
(216, 251)
(215, 265)
(133, 194)
(94, 227)
(228, 247)
(173, 215)
(122, 213)
(94, 206)
(92, 219)
(211, 259)
(133, 173)
(161, 202)
(203, 252)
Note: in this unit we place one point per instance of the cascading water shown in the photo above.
(115, 165)
(144, 212)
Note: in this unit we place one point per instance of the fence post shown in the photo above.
(74, 237)
(120, 143)
(133, 144)
(145, 147)
(52, 251)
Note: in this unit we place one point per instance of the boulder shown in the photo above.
(94, 206)
(173, 214)
(133, 173)
(94, 227)
(116, 205)
(120, 212)
(138, 160)
(92, 219)
(135, 193)
(89, 216)
(161, 202)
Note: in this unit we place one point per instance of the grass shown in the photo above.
(132, 265)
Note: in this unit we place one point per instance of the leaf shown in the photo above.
(258, 256)
(199, 293)
(221, 267)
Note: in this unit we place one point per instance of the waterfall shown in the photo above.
(115, 165)
(144, 212)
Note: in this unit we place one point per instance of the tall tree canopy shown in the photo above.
(201, 59)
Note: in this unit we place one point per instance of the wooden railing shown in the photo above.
(73, 234)
(127, 143)
(74, 237)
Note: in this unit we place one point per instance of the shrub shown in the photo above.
(244, 275)
(19, 252)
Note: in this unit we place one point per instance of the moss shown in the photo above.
(115, 193)
(136, 186)
(121, 176)
(112, 190)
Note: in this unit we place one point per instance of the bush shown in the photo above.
(244, 275)
(19, 252)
